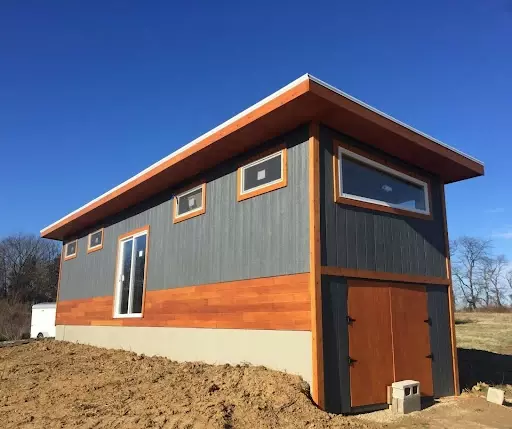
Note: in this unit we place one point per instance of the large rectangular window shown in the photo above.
(131, 273)
(365, 182)
(190, 203)
(263, 175)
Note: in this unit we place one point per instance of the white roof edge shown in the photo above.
(45, 305)
(245, 112)
(188, 145)
(373, 109)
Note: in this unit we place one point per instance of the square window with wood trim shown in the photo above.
(265, 174)
(131, 273)
(366, 181)
(70, 250)
(95, 241)
(189, 203)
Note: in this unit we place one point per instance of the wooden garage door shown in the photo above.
(411, 341)
(370, 343)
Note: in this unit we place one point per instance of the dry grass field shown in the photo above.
(485, 331)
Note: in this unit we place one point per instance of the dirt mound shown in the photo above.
(55, 385)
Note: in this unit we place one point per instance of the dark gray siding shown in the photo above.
(440, 341)
(365, 239)
(335, 342)
(263, 236)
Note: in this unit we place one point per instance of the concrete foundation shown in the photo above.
(288, 351)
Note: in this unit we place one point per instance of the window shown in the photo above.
(263, 175)
(190, 203)
(131, 273)
(95, 241)
(368, 183)
(70, 250)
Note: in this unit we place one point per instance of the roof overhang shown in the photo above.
(303, 100)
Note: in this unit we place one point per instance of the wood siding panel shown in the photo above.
(370, 342)
(277, 303)
(411, 342)
(365, 239)
(260, 237)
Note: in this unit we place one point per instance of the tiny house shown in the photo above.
(307, 233)
(42, 324)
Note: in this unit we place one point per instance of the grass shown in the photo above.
(484, 331)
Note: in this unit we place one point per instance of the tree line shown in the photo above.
(481, 279)
(29, 274)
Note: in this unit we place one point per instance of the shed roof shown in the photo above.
(301, 101)
(45, 305)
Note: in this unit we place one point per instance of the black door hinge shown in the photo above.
(350, 320)
(430, 356)
(351, 361)
(428, 321)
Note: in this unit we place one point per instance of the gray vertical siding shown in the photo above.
(335, 343)
(365, 239)
(263, 236)
(440, 341)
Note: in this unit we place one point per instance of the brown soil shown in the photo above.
(47, 384)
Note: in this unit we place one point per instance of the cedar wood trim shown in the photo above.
(318, 389)
(268, 188)
(96, 248)
(175, 217)
(116, 283)
(74, 255)
(374, 206)
(451, 303)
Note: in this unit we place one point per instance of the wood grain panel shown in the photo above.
(411, 340)
(277, 303)
(370, 342)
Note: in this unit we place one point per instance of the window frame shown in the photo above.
(74, 255)
(267, 187)
(379, 164)
(117, 290)
(97, 247)
(192, 213)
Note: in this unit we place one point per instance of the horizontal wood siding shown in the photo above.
(261, 237)
(278, 303)
(365, 239)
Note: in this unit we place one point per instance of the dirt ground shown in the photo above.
(48, 384)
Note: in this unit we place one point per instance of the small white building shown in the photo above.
(43, 320)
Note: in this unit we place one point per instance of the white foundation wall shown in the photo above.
(289, 351)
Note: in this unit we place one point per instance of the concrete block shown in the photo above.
(406, 396)
(496, 396)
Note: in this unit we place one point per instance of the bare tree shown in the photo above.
(29, 268)
(493, 280)
(468, 266)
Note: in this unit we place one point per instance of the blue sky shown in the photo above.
(92, 92)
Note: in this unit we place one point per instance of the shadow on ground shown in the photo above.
(479, 365)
